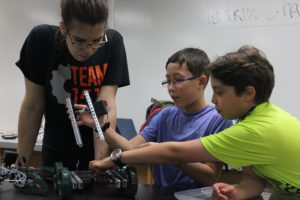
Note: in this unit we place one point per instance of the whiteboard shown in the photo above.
(155, 29)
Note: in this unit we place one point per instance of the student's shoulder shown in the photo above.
(44, 28)
(211, 110)
(113, 34)
(170, 109)
(169, 112)
(43, 31)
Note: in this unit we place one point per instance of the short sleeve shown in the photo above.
(151, 130)
(117, 73)
(35, 54)
(238, 147)
(218, 124)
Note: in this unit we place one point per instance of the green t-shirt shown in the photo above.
(268, 140)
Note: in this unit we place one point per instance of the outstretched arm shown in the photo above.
(204, 173)
(251, 186)
(163, 153)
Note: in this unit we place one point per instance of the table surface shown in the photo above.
(145, 192)
(96, 192)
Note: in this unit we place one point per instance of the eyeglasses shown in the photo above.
(81, 43)
(177, 82)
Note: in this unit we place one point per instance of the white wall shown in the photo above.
(155, 29)
(17, 17)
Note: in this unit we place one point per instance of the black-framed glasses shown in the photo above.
(80, 43)
(177, 81)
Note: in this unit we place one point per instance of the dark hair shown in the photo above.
(195, 59)
(90, 12)
(246, 67)
(86, 11)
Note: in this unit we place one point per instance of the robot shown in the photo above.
(27, 180)
(123, 178)
(37, 181)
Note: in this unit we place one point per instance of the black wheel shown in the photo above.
(132, 177)
(55, 184)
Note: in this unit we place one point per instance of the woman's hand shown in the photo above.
(84, 117)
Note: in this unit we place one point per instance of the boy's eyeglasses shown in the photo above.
(177, 82)
(84, 44)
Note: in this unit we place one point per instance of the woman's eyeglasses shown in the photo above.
(81, 43)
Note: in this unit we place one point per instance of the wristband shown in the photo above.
(104, 127)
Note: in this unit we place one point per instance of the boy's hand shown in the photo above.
(223, 191)
(103, 164)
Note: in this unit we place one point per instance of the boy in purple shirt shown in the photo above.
(191, 118)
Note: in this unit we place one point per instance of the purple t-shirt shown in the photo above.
(172, 124)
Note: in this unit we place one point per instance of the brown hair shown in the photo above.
(90, 12)
(85, 11)
(246, 67)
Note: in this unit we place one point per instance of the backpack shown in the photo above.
(154, 109)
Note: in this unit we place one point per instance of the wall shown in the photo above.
(153, 30)
(17, 17)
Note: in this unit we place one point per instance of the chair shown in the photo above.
(126, 128)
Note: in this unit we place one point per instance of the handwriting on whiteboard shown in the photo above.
(244, 13)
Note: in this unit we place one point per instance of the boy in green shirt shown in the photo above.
(265, 141)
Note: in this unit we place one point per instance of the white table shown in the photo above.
(12, 143)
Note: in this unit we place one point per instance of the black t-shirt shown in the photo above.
(62, 76)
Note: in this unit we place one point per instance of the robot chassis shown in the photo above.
(35, 181)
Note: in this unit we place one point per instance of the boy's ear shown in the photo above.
(63, 28)
(250, 93)
(203, 80)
